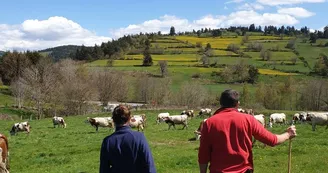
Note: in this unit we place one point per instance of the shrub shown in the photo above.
(196, 75)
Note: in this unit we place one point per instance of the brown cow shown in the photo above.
(4, 160)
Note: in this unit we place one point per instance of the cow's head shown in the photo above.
(309, 117)
(13, 130)
(27, 127)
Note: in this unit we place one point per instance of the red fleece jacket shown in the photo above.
(226, 141)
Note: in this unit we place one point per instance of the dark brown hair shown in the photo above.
(229, 98)
(121, 115)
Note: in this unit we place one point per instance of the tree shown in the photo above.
(208, 47)
(252, 28)
(205, 60)
(325, 32)
(39, 80)
(313, 38)
(172, 31)
(253, 73)
(245, 96)
(163, 68)
(18, 89)
(291, 44)
(147, 60)
(13, 66)
(216, 33)
(321, 66)
(233, 48)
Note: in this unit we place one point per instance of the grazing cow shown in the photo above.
(58, 121)
(246, 111)
(4, 153)
(206, 111)
(161, 116)
(260, 118)
(199, 130)
(317, 118)
(277, 118)
(20, 127)
(138, 121)
(299, 117)
(177, 119)
(101, 122)
(189, 113)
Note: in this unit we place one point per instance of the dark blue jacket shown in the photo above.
(126, 151)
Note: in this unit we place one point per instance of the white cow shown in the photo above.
(58, 121)
(161, 117)
(138, 121)
(277, 118)
(317, 118)
(260, 118)
(189, 113)
(177, 119)
(20, 127)
(101, 122)
(197, 132)
(299, 117)
(206, 111)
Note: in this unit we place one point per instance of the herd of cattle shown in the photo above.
(139, 121)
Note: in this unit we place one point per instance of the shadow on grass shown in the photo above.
(192, 139)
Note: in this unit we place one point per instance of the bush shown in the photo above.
(196, 76)
(199, 44)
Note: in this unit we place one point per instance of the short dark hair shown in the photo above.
(121, 115)
(229, 98)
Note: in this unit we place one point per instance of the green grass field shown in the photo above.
(76, 148)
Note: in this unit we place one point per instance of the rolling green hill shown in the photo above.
(60, 52)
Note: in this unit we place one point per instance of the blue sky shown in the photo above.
(38, 24)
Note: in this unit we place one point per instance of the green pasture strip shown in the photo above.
(269, 38)
(273, 44)
(310, 53)
(276, 56)
(167, 45)
(6, 100)
(77, 148)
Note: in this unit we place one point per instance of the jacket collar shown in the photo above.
(225, 109)
(124, 127)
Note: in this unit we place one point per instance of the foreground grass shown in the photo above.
(76, 149)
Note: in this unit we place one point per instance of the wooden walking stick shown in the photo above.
(290, 156)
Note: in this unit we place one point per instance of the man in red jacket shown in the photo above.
(226, 141)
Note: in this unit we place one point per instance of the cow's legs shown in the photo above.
(96, 128)
(174, 126)
(313, 126)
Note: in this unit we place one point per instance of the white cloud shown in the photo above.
(287, 2)
(40, 34)
(296, 11)
(244, 18)
(234, 1)
(226, 8)
(252, 6)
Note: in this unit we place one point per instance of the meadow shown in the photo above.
(76, 148)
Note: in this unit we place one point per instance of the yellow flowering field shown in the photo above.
(275, 72)
(215, 42)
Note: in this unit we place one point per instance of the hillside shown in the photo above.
(60, 52)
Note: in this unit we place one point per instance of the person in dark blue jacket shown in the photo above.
(125, 151)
